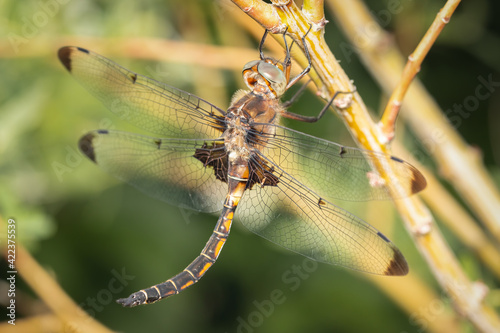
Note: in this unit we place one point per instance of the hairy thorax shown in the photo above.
(249, 123)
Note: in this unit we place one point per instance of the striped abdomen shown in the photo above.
(192, 273)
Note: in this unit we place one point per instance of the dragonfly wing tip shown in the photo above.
(418, 182)
(64, 55)
(398, 265)
(86, 146)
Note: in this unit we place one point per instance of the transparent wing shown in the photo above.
(163, 168)
(335, 171)
(156, 107)
(296, 218)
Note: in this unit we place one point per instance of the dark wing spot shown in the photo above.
(342, 151)
(103, 131)
(158, 143)
(397, 266)
(86, 146)
(381, 235)
(64, 55)
(133, 77)
(321, 202)
(396, 159)
(83, 50)
(215, 156)
(418, 182)
(260, 173)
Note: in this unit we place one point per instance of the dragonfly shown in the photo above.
(281, 182)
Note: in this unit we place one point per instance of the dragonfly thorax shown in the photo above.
(235, 136)
(255, 115)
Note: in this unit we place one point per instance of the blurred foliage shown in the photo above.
(84, 226)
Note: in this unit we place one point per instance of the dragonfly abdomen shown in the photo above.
(208, 256)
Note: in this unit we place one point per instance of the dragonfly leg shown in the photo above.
(296, 95)
(313, 119)
(192, 273)
(261, 45)
(306, 70)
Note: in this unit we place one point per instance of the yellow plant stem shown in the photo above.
(413, 67)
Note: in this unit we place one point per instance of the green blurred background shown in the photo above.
(85, 227)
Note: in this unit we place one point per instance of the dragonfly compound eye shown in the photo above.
(271, 73)
(276, 79)
(250, 64)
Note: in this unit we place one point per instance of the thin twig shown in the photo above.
(413, 67)
(171, 51)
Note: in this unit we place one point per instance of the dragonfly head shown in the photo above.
(265, 78)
